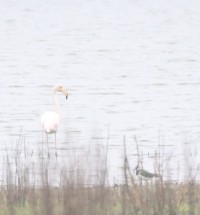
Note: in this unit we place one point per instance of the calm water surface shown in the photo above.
(131, 67)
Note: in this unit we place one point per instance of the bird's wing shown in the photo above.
(50, 121)
(146, 173)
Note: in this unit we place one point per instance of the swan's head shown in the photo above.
(59, 88)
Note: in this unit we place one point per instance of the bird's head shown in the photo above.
(59, 88)
(137, 171)
(137, 167)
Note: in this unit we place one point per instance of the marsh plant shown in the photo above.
(34, 184)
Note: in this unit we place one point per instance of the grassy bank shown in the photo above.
(29, 190)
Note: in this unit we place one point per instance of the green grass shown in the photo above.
(134, 199)
(28, 193)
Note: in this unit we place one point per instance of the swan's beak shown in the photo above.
(67, 96)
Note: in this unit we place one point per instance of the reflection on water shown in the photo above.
(129, 66)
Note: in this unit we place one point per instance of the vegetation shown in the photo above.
(27, 190)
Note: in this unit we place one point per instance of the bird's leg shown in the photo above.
(55, 146)
(42, 139)
(48, 145)
(41, 152)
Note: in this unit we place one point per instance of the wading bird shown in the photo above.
(51, 120)
(145, 173)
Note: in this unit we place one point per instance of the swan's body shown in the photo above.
(51, 120)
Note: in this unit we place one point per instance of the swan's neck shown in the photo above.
(55, 101)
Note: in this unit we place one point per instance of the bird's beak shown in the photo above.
(65, 93)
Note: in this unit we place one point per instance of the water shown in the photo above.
(131, 67)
